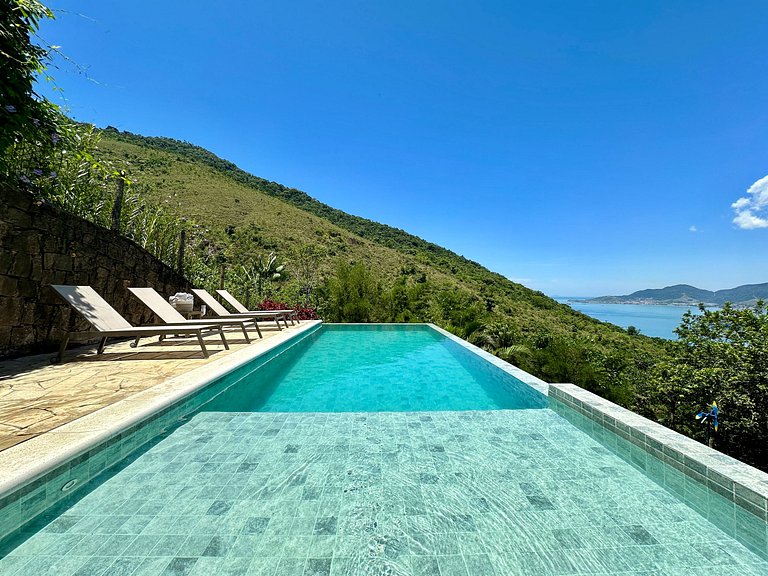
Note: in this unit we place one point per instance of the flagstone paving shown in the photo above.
(37, 396)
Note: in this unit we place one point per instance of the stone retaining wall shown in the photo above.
(41, 245)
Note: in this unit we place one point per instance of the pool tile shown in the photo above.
(639, 534)
(317, 567)
(326, 526)
(452, 565)
(179, 566)
(124, 566)
(303, 525)
(291, 566)
(479, 565)
(95, 566)
(263, 567)
(219, 507)
(424, 566)
(322, 546)
(256, 525)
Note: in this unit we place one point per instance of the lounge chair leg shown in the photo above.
(102, 344)
(258, 330)
(202, 343)
(135, 343)
(60, 356)
(277, 321)
(223, 338)
(245, 333)
(286, 322)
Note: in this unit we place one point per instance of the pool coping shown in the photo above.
(740, 483)
(25, 463)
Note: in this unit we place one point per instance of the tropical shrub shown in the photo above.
(354, 295)
(722, 356)
(457, 311)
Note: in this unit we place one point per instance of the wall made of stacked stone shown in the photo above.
(41, 245)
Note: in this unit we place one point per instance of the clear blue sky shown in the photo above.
(579, 147)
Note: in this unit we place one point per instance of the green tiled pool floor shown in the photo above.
(440, 493)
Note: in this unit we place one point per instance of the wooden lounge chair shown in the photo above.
(219, 310)
(237, 305)
(168, 314)
(108, 323)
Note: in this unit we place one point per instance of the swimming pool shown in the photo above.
(428, 491)
(377, 368)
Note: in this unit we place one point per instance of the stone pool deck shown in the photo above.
(37, 396)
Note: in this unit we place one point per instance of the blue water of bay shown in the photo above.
(651, 320)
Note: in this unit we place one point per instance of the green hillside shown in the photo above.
(411, 279)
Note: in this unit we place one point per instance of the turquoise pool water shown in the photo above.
(478, 493)
(377, 368)
(330, 492)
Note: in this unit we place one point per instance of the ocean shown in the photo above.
(651, 320)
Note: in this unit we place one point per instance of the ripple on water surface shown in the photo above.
(479, 493)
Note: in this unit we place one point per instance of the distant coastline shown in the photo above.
(634, 302)
(688, 296)
(647, 302)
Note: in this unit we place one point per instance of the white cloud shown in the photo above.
(693, 229)
(752, 210)
(740, 203)
(748, 221)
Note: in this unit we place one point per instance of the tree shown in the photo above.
(264, 270)
(267, 270)
(407, 300)
(458, 311)
(353, 294)
(258, 274)
(31, 127)
(305, 264)
(721, 356)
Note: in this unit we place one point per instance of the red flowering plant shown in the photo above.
(303, 312)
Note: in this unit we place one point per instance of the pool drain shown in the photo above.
(69, 485)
